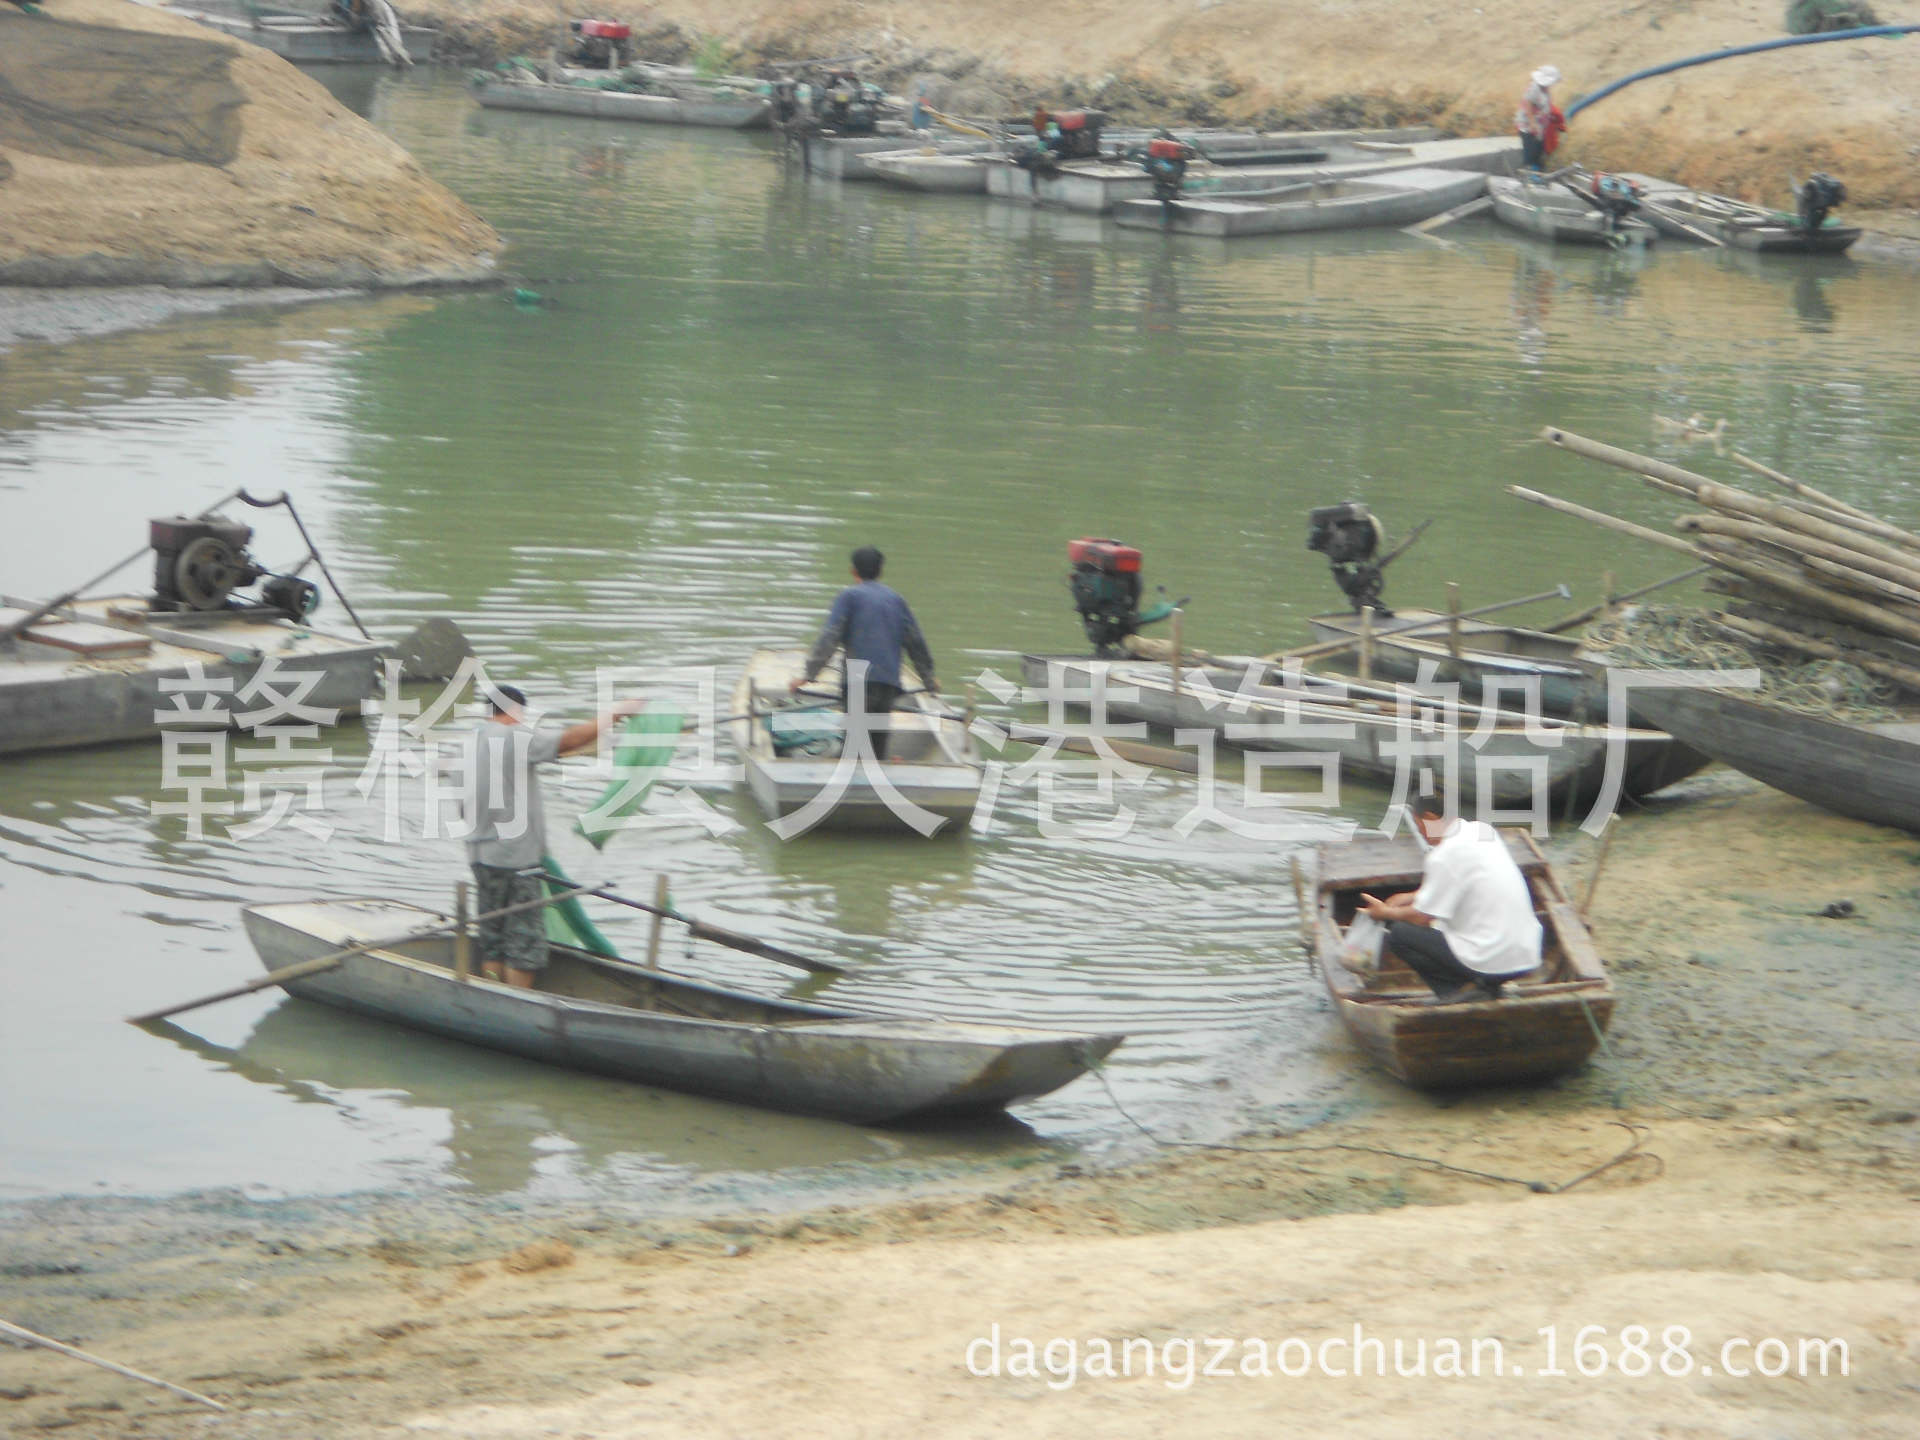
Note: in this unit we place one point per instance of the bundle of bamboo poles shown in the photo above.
(1809, 573)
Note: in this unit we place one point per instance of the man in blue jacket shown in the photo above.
(873, 624)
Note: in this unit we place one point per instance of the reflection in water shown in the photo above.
(513, 1124)
(1810, 301)
(1533, 286)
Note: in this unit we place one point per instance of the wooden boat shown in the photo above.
(1400, 197)
(91, 672)
(795, 766)
(1501, 759)
(1863, 771)
(307, 39)
(938, 171)
(719, 107)
(1690, 214)
(1544, 1024)
(1499, 665)
(592, 1013)
(1555, 213)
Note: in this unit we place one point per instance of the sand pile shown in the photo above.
(140, 148)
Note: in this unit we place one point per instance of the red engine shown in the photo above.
(605, 29)
(1109, 557)
(1166, 150)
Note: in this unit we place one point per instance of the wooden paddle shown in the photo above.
(322, 963)
(1161, 756)
(733, 940)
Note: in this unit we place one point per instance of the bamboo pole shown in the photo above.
(332, 961)
(1801, 544)
(1872, 617)
(1453, 619)
(660, 899)
(1581, 617)
(1725, 497)
(462, 936)
(1622, 459)
(1366, 642)
(1178, 614)
(1904, 676)
(1795, 487)
(20, 1332)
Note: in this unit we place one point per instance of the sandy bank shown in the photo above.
(1740, 126)
(175, 156)
(1766, 1051)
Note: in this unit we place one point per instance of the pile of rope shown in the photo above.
(1662, 637)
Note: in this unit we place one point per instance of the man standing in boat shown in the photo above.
(874, 625)
(507, 834)
(1470, 927)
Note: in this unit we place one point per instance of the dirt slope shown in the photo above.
(288, 187)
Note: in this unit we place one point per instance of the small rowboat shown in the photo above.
(719, 107)
(1502, 759)
(1544, 1024)
(593, 1013)
(949, 167)
(1399, 197)
(1556, 213)
(796, 763)
(1504, 665)
(1696, 214)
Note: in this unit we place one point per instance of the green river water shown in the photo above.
(742, 374)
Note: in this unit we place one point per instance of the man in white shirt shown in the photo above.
(1470, 926)
(507, 834)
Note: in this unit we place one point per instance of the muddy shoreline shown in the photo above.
(1755, 1052)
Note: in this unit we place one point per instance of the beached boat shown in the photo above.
(1314, 202)
(91, 672)
(1097, 186)
(1700, 214)
(1867, 771)
(796, 765)
(593, 1013)
(1501, 758)
(1542, 1025)
(721, 107)
(939, 171)
(1506, 665)
(307, 39)
(1554, 212)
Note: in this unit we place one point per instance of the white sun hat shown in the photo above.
(1546, 77)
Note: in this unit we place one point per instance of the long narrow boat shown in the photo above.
(588, 1012)
(1506, 665)
(1500, 759)
(1864, 771)
(1556, 213)
(1689, 214)
(1543, 1025)
(1401, 197)
(723, 108)
(937, 171)
(796, 765)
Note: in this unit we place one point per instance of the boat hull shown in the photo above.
(1505, 767)
(779, 1055)
(1553, 213)
(1544, 1025)
(932, 780)
(1402, 197)
(55, 699)
(1865, 772)
(723, 114)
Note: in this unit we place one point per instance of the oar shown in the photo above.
(323, 963)
(1334, 647)
(733, 940)
(1159, 755)
(1581, 617)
